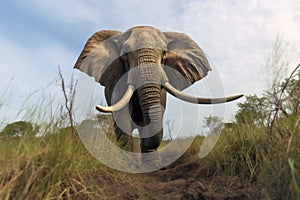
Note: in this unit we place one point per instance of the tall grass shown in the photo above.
(57, 165)
(260, 159)
(43, 168)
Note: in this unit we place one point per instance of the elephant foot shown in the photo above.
(151, 160)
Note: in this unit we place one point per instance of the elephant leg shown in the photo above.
(122, 129)
(121, 119)
(124, 140)
(150, 144)
(150, 155)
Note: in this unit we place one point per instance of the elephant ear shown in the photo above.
(100, 57)
(185, 61)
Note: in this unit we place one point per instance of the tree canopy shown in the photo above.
(19, 129)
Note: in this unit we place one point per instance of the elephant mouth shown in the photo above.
(170, 89)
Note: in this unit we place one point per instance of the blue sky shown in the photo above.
(37, 36)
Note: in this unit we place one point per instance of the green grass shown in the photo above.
(57, 166)
(53, 167)
(261, 159)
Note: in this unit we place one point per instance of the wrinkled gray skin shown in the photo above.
(108, 55)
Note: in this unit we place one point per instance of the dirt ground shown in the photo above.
(178, 181)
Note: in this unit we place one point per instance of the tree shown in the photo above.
(252, 111)
(282, 93)
(102, 122)
(170, 125)
(214, 123)
(105, 122)
(69, 97)
(19, 129)
(287, 101)
(292, 90)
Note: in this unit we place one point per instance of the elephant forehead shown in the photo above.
(142, 37)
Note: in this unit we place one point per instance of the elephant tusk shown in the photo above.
(198, 100)
(120, 104)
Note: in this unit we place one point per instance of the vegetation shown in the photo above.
(256, 157)
(19, 129)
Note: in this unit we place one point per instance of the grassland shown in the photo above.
(248, 162)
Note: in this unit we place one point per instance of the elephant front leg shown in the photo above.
(149, 145)
(122, 129)
(123, 139)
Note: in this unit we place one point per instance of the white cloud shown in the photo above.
(106, 14)
(237, 34)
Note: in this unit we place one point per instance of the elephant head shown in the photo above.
(156, 62)
(108, 54)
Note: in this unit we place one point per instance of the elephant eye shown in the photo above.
(125, 49)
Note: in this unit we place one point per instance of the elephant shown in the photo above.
(138, 68)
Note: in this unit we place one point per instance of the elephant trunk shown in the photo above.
(150, 102)
(147, 78)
